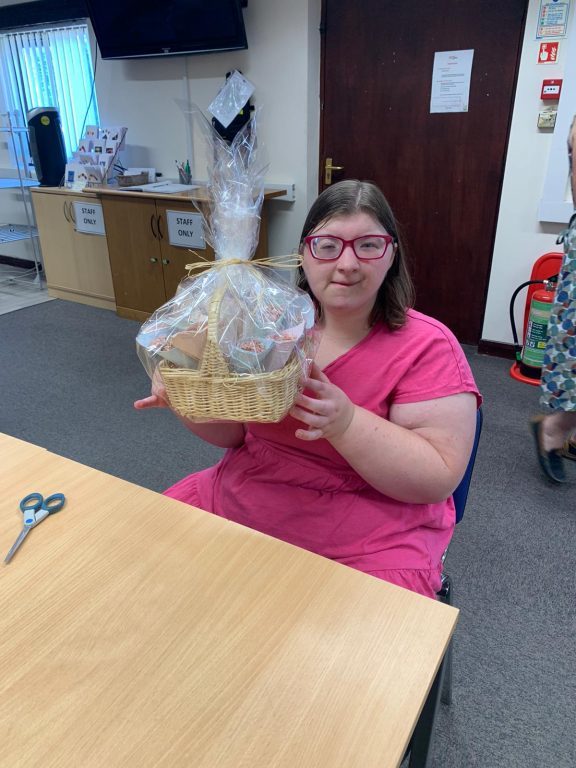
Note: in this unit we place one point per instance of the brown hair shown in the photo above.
(396, 294)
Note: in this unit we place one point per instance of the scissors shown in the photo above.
(35, 508)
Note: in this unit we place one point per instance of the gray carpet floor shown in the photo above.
(68, 377)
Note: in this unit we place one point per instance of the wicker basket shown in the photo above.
(214, 392)
(132, 181)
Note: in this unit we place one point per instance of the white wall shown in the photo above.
(282, 61)
(520, 237)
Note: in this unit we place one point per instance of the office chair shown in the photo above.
(460, 497)
(441, 689)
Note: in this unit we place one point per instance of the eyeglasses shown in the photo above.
(330, 247)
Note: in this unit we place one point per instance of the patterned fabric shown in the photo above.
(558, 381)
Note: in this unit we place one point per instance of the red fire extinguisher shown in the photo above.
(530, 355)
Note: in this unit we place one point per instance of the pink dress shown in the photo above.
(305, 493)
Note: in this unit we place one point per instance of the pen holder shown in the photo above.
(185, 178)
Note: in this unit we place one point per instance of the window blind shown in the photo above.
(50, 67)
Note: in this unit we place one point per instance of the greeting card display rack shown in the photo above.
(114, 164)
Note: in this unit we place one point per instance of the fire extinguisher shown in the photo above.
(530, 355)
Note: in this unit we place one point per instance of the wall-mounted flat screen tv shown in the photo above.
(126, 29)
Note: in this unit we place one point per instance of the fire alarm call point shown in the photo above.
(551, 89)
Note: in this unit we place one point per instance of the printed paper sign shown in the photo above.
(553, 18)
(89, 218)
(185, 229)
(451, 81)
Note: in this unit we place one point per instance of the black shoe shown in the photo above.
(551, 462)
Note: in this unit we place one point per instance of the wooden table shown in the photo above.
(138, 631)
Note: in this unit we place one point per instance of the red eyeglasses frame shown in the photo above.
(388, 238)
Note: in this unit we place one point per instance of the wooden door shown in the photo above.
(91, 261)
(76, 264)
(135, 257)
(56, 231)
(442, 173)
(174, 257)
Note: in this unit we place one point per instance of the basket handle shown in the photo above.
(212, 352)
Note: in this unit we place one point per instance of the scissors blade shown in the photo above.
(14, 548)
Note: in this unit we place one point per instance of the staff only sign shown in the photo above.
(89, 218)
(185, 229)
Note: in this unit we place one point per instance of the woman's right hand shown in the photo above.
(224, 434)
(153, 401)
(157, 399)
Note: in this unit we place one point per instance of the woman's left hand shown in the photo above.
(328, 414)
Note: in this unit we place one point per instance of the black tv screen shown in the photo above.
(130, 28)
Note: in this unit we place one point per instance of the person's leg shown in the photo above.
(556, 428)
(549, 436)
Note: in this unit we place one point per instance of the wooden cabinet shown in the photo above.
(175, 258)
(76, 264)
(135, 256)
(134, 268)
(146, 268)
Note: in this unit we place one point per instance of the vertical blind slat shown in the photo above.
(51, 68)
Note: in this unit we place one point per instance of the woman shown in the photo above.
(363, 468)
(552, 432)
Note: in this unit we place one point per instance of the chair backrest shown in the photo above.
(460, 495)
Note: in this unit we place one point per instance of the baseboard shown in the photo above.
(496, 349)
(14, 261)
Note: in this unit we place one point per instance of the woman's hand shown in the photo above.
(224, 434)
(328, 414)
(158, 398)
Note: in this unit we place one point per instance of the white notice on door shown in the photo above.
(185, 229)
(451, 81)
(89, 218)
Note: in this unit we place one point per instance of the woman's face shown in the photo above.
(348, 285)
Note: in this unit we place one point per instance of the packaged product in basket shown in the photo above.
(234, 341)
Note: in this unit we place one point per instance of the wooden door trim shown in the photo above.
(503, 170)
(322, 94)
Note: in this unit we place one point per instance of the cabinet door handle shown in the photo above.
(165, 261)
(152, 227)
(153, 259)
(71, 212)
(160, 233)
(65, 211)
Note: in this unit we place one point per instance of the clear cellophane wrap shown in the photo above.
(235, 340)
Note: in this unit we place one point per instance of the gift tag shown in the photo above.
(231, 98)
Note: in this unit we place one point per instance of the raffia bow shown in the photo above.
(289, 261)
